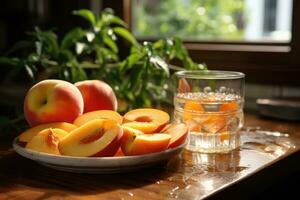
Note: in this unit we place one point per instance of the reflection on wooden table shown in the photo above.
(190, 175)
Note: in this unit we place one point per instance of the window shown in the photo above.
(231, 20)
(265, 43)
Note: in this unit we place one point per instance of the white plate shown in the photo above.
(99, 165)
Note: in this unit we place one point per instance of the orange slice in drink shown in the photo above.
(214, 124)
(191, 106)
(231, 106)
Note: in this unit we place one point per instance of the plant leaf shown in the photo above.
(110, 43)
(112, 19)
(4, 121)
(29, 71)
(124, 33)
(160, 63)
(86, 14)
(9, 61)
(20, 45)
(79, 47)
(72, 37)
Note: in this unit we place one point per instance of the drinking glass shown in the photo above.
(211, 104)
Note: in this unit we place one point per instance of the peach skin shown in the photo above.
(97, 95)
(52, 101)
(134, 142)
(178, 133)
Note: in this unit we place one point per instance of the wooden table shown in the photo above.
(264, 158)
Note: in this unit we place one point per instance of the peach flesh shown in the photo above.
(27, 135)
(47, 141)
(99, 114)
(148, 115)
(134, 142)
(85, 140)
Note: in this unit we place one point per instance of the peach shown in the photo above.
(134, 142)
(148, 116)
(100, 114)
(47, 140)
(52, 101)
(27, 135)
(99, 137)
(97, 95)
(178, 134)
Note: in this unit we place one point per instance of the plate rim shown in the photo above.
(22, 150)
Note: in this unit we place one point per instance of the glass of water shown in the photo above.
(211, 104)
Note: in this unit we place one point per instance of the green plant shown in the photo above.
(142, 79)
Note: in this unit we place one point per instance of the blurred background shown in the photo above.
(258, 37)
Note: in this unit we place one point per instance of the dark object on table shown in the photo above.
(281, 108)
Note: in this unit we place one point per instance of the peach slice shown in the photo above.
(47, 140)
(145, 127)
(27, 135)
(134, 142)
(119, 153)
(148, 115)
(178, 133)
(99, 137)
(99, 114)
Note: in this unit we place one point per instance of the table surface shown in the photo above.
(268, 147)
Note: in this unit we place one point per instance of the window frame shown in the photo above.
(262, 62)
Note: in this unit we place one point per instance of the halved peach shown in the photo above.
(27, 135)
(46, 141)
(148, 115)
(99, 114)
(134, 142)
(178, 133)
(99, 137)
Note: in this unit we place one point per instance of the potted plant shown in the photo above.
(140, 80)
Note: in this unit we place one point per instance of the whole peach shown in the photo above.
(97, 95)
(52, 101)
